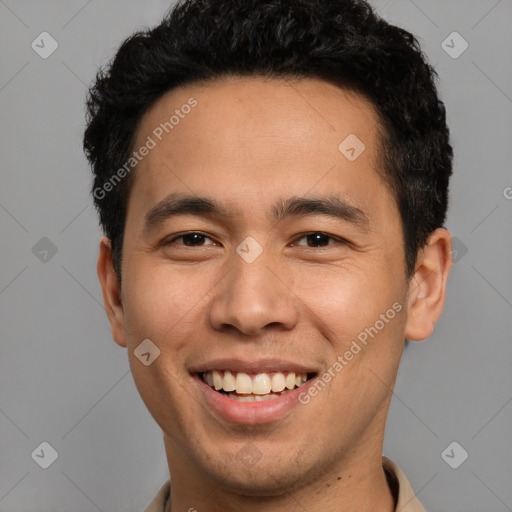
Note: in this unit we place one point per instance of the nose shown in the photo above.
(253, 297)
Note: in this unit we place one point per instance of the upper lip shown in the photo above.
(254, 366)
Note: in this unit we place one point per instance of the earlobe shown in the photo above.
(111, 291)
(427, 288)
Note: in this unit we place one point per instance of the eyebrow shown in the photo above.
(331, 206)
(184, 204)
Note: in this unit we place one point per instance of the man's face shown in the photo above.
(209, 302)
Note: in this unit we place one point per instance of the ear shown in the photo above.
(111, 292)
(427, 287)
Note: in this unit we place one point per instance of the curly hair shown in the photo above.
(341, 41)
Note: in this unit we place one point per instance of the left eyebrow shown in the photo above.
(331, 206)
(184, 204)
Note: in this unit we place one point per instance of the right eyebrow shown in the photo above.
(182, 204)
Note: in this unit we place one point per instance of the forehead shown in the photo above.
(252, 138)
(285, 109)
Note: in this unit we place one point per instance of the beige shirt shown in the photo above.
(406, 501)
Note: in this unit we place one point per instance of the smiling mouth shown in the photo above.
(258, 387)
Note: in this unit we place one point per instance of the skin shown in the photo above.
(249, 142)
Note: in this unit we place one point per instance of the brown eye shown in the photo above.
(193, 239)
(316, 239)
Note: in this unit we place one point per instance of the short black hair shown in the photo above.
(341, 41)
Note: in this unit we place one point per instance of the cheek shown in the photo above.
(160, 306)
(162, 389)
(158, 301)
(345, 301)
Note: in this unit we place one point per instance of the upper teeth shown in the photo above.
(259, 384)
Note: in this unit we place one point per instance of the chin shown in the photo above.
(260, 481)
(258, 472)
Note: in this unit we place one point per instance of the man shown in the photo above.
(272, 179)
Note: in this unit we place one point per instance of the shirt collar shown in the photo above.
(406, 500)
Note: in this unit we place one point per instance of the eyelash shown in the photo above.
(303, 235)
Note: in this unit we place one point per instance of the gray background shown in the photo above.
(64, 381)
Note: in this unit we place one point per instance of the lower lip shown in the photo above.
(252, 413)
